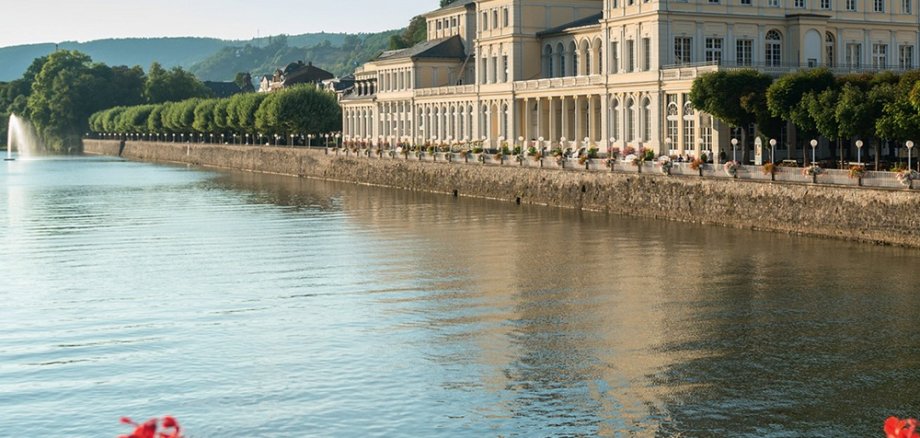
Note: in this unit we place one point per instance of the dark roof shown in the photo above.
(306, 74)
(450, 47)
(587, 21)
(455, 5)
(222, 89)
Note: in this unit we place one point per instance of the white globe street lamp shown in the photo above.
(814, 145)
(910, 146)
(772, 150)
(859, 145)
(734, 153)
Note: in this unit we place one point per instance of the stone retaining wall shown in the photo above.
(870, 215)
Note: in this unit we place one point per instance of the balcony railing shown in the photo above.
(567, 82)
(445, 91)
(668, 71)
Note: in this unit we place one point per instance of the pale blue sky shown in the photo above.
(40, 21)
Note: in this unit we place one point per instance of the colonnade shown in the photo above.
(663, 122)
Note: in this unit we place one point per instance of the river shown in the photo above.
(251, 305)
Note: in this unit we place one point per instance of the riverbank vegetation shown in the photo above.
(299, 110)
(59, 92)
(872, 107)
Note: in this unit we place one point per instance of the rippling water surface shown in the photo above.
(264, 306)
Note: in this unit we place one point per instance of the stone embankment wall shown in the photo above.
(869, 215)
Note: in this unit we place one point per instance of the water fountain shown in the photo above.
(22, 136)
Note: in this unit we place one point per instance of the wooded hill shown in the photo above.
(212, 59)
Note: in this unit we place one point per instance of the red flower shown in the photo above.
(149, 428)
(897, 428)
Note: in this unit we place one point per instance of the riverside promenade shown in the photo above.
(882, 211)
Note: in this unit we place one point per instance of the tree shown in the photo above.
(204, 116)
(244, 81)
(785, 98)
(734, 97)
(822, 108)
(64, 95)
(303, 109)
(172, 85)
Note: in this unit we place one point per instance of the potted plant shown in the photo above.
(857, 171)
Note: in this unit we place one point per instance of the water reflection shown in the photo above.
(348, 310)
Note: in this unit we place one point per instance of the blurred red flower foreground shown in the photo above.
(148, 429)
(898, 428)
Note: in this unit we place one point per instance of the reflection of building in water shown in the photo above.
(614, 72)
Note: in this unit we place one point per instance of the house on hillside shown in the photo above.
(340, 86)
(295, 73)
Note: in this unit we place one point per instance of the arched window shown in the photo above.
(830, 55)
(689, 126)
(584, 63)
(598, 56)
(573, 55)
(548, 61)
(630, 120)
(673, 119)
(560, 53)
(774, 48)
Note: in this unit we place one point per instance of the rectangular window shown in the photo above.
(714, 2)
(744, 52)
(494, 78)
(484, 74)
(854, 55)
(682, 46)
(630, 55)
(646, 54)
(773, 3)
(614, 57)
(799, 4)
(505, 68)
(825, 4)
(630, 2)
(879, 56)
(878, 5)
(485, 21)
(714, 50)
(495, 19)
(908, 7)
(906, 57)
(745, 2)
(506, 17)
(851, 5)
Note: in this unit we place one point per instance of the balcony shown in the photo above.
(445, 91)
(566, 82)
(691, 71)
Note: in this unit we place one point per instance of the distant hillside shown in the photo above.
(340, 55)
(207, 55)
(169, 52)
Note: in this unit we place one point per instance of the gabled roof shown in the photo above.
(587, 21)
(223, 89)
(450, 47)
(455, 5)
(306, 73)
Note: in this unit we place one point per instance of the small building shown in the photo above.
(295, 73)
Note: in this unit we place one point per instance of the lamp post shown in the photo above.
(859, 145)
(814, 146)
(734, 153)
(772, 150)
(668, 142)
(910, 145)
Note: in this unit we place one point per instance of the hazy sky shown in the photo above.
(40, 21)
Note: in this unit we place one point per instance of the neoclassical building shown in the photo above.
(614, 72)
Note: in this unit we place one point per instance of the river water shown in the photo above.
(262, 306)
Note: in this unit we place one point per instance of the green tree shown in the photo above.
(204, 116)
(785, 98)
(172, 85)
(64, 95)
(303, 109)
(734, 97)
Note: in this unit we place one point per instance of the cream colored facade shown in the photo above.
(609, 72)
